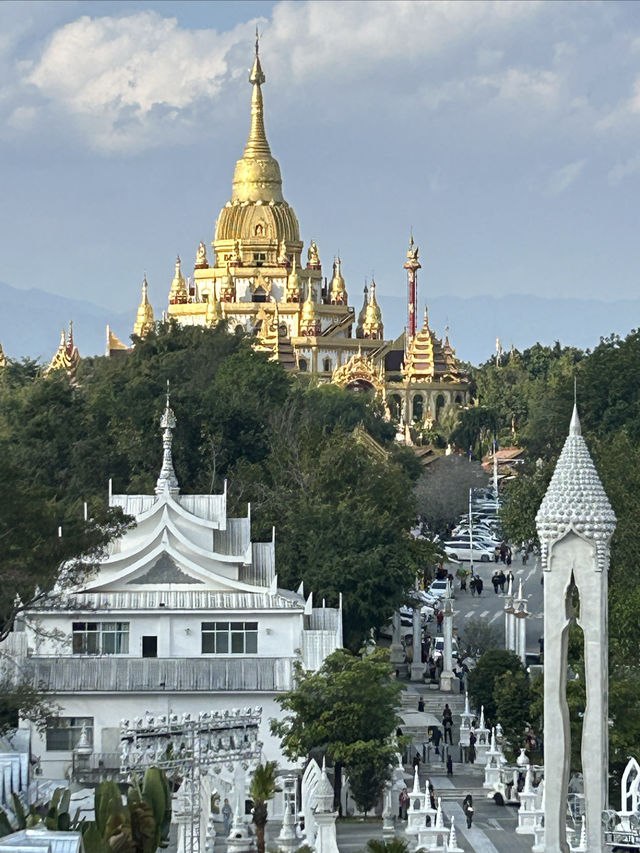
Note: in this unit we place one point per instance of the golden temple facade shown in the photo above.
(256, 276)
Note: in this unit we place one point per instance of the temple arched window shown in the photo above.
(303, 365)
(459, 399)
(326, 365)
(418, 407)
(259, 230)
(440, 404)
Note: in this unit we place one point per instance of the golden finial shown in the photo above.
(372, 326)
(3, 357)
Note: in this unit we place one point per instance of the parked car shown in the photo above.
(438, 647)
(439, 588)
(462, 551)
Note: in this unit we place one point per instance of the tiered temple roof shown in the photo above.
(428, 359)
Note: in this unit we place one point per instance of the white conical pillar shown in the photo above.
(417, 667)
(575, 524)
(452, 845)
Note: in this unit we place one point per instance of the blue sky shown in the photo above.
(507, 135)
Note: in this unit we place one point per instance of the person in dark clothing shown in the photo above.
(472, 747)
(467, 808)
(495, 580)
(501, 580)
(432, 796)
(479, 585)
(435, 738)
(472, 585)
(449, 766)
(421, 704)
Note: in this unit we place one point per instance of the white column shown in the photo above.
(397, 652)
(448, 681)
(417, 667)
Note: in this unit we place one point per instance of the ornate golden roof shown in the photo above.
(144, 320)
(372, 326)
(429, 360)
(338, 293)
(257, 214)
(66, 356)
(360, 372)
(178, 292)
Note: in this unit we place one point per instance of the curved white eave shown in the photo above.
(167, 499)
(193, 568)
(166, 523)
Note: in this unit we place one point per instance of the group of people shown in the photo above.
(499, 579)
(502, 553)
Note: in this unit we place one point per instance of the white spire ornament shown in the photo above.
(167, 481)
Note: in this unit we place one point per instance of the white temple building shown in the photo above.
(183, 615)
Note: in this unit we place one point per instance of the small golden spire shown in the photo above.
(214, 309)
(338, 286)
(309, 319)
(145, 321)
(178, 292)
(3, 357)
(66, 356)
(294, 285)
(372, 326)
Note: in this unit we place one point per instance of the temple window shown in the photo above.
(302, 364)
(229, 638)
(100, 638)
(259, 230)
(259, 259)
(418, 407)
(63, 733)
(326, 365)
(459, 399)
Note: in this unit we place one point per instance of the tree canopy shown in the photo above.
(347, 710)
(341, 511)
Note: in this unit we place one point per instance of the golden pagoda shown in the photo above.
(3, 357)
(66, 356)
(372, 327)
(178, 294)
(309, 317)
(428, 359)
(338, 294)
(294, 284)
(145, 322)
(214, 310)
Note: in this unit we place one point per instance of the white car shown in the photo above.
(439, 588)
(462, 551)
(438, 647)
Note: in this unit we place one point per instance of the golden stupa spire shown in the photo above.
(144, 318)
(372, 326)
(309, 319)
(294, 285)
(66, 356)
(3, 358)
(338, 287)
(214, 309)
(178, 292)
(257, 176)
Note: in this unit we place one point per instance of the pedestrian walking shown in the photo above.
(403, 803)
(496, 554)
(449, 766)
(479, 585)
(501, 580)
(439, 620)
(421, 704)
(472, 585)
(467, 808)
(227, 812)
(472, 747)
(510, 577)
(463, 582)
(495, 581)
(509, 556)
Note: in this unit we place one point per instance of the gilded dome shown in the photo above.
(257, 213)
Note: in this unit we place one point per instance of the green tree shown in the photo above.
(347, 710)
(263, 788)
(482, 679)
(512, 697)
(480, 636)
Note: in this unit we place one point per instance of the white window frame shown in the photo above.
(233, 637)
(100, 638)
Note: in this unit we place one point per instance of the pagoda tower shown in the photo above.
(412, 265)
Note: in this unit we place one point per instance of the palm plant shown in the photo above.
(393, 845)
(262, 789)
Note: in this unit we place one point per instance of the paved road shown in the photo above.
(491, 606)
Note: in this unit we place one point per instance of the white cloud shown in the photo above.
(135, 81)
(626, 169)
(562, 178)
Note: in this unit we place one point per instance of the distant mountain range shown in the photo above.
(31, 321)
